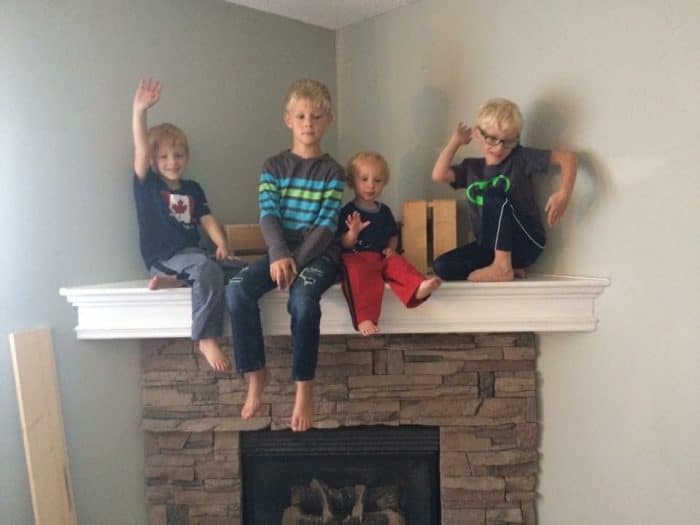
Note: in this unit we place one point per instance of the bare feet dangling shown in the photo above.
(256, 384)
(427, 287)
(214, 355)
(303, 414)
(367, 327)
(520, 273)
(164, 281)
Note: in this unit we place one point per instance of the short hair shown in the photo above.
(502, 113)
(353, 165)
(310, 89)
(166, 133)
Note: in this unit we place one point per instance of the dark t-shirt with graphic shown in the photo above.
(375, 237)
(514, 175)
(168, 219)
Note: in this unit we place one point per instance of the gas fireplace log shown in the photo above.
(294, 516)
(384, 517)
(386, 497)
(318, 496)
(358, 509)
(322, 490)
(318, 504)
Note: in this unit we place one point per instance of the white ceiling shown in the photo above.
(331, 14)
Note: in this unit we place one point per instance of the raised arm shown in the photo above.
(442, 172)
(558, 201)
(147, 94)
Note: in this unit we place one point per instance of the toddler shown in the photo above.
(369, 237)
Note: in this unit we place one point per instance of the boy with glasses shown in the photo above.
(504, 215)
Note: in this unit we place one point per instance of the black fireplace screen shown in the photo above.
(369, 475)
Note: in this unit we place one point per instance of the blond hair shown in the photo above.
(501, 113)
(353, 165)
(309, 89)
(169, 134)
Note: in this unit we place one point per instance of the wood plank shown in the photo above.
(444, 226)
(245, 239)
(42, 427)
(414, 235)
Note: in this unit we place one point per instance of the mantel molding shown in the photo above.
(540, 303)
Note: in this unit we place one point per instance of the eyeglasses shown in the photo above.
(495, 141)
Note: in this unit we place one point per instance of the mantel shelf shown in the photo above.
(540, 303)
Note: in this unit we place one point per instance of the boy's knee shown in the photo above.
(440, 266)
(211, 272)
(303, 306)
(235, 295)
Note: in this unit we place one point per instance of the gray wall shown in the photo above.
(619, 83)
(69, 70)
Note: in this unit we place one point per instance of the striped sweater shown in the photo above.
(299, 203)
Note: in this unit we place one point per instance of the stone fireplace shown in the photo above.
(478, 391)
(463, 366)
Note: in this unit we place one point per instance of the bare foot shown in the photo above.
(164, 281)
(492, 273)
(520, 273)
(303, 414)
(256, 384)
(367, 327)
(427, 287)
(215, 356)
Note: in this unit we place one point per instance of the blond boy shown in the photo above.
(170, 210)
(299, 193)
(504, 215)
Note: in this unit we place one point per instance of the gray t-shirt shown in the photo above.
(514, 174)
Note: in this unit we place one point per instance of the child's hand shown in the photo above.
(388, 252)
(222, 253)
(462, 135)
(355, 224)
(283, 272)
(556, 206)
(147, 94)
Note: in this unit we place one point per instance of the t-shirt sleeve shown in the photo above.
(536, 160)
(460, 170)
(201, 207)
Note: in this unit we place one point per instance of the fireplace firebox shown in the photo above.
(376, 475)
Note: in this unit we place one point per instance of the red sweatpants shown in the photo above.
(363, 283)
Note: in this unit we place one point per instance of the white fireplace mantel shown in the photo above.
(540, 303)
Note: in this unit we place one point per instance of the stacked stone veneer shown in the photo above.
(479, 389)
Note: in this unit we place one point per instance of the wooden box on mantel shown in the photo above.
(245, 241)
(429, 230)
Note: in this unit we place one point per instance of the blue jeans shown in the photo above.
(242, 294)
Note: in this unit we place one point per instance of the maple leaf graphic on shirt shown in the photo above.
(181, 208)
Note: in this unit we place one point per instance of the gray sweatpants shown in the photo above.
(206, 278)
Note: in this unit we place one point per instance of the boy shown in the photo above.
(502, 208)
(369, 237)
(299, 194)
(169, 209)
